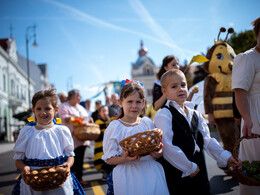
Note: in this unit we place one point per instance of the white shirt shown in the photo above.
(173, 154)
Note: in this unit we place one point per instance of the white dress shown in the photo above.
(44, 144)
(145, 177)
(246, 75)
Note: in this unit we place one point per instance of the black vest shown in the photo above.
(184, 136)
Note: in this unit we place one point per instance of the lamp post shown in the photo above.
(28, 36)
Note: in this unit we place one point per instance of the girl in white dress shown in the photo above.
(132, 175)
(45, 144)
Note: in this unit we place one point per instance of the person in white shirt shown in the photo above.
(185, 135)
(245, 83)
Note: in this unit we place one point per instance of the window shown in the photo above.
(12, 87)
(21, 94)
(4, 82)
(17, 91)
(148, 70)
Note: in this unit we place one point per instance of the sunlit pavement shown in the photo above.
(94, 179)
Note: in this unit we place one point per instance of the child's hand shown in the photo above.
(232, 162)
(211, 119)
(126, 157)
(26, 170)
(158, 153)
(195, 173)
(66, 165)
(195, 89)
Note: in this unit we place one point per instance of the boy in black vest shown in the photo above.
(185, 135)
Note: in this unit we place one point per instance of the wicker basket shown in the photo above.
(238, 174)
(141, 144)
(46, 178)
(88, 131)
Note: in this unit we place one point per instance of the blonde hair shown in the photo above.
(169, 74)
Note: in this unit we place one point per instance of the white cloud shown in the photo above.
(157, 29)
(163, 37)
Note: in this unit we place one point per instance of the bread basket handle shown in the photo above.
(91, 119)
(235, 149)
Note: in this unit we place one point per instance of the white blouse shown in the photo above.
(144, 177)
(173, 154)
(43, 144)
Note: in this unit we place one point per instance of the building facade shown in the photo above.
(144, 70)
(14, 87)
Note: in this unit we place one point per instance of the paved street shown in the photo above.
(220, 183)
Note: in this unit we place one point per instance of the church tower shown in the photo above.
(144, 70)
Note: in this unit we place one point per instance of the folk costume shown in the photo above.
(144, 177)
(98, 149)
(184, 138)
(246, 75)
(45, 148)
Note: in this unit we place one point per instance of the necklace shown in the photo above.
(45, 126)
(130, 124)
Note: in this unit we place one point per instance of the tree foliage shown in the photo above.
(242, 41)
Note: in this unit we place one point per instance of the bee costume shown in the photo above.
(217, 93)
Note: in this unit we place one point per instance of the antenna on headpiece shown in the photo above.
(222, 29)
(230, 31)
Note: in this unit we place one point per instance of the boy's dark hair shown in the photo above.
(127, 90)
(49, 94)
(256, 24)
(165, 62)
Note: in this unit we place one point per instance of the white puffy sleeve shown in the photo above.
(110, 141)
(21, 143)
(243, 72)
(67, 142)
(149, 123)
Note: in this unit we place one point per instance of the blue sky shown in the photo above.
(89, 42)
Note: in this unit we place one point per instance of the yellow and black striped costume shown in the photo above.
(98, 148)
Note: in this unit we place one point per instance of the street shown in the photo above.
(220, 183)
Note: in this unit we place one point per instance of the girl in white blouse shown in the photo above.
(45, 144)
(132, 175)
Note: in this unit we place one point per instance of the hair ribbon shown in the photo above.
(129, 81)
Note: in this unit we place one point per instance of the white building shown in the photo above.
(14, 86)
(13, 89)
(144, 70)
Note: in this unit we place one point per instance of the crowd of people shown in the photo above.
(177, 167)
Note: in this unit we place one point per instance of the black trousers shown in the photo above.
(187, 185)
(77, 167)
